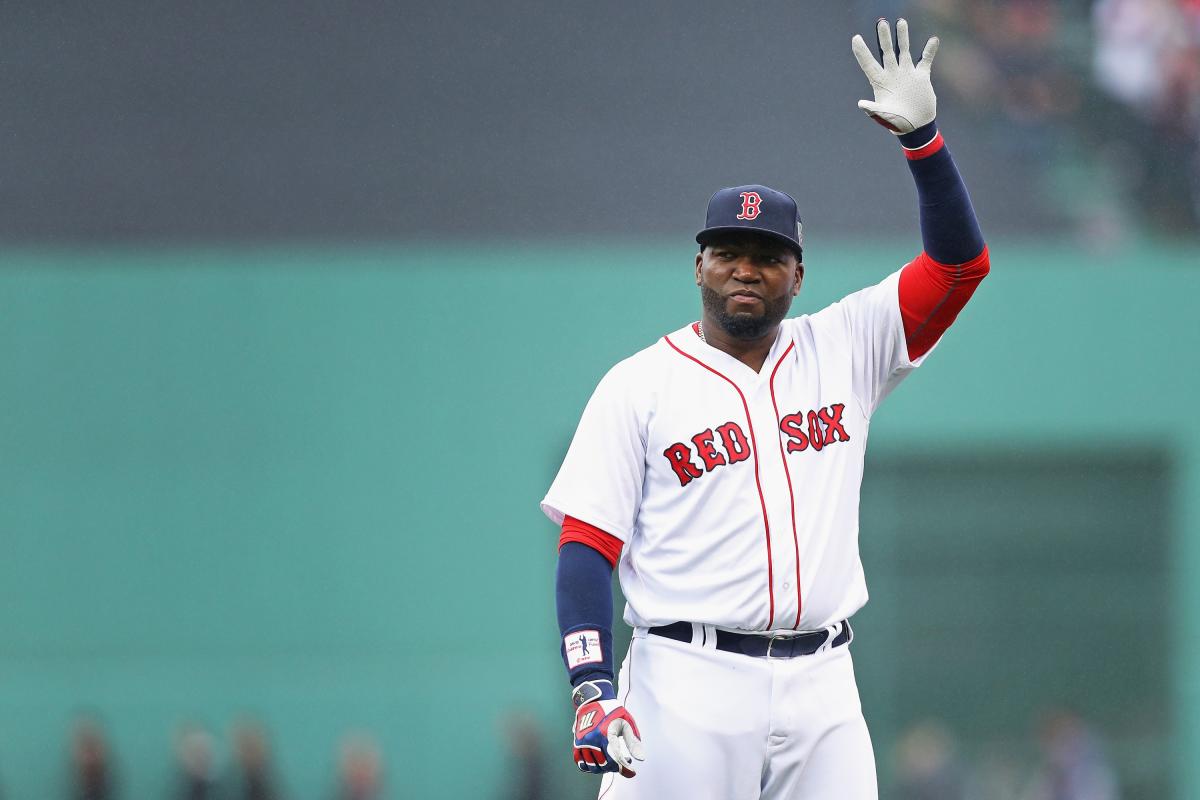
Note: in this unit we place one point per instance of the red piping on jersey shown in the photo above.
(762, 500)
(603, 542)
(788, 473)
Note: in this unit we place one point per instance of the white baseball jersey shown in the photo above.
(736, 493)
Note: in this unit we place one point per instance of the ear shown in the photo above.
(699, 264)
(799, 279)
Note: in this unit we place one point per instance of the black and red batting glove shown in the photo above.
(606, 738)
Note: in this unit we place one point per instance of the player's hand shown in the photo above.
(606, 737)
(904, 98)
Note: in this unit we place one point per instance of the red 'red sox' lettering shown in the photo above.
(735, 442)
(704, 446)
(680, 455)
(818, 428)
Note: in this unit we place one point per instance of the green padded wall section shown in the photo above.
(303, 483)
(1009, 585)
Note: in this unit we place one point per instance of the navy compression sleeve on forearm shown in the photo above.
(583, 591)
(949, 230)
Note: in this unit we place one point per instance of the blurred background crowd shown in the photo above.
(1071, 764)
(1103, 96)
(94, 770)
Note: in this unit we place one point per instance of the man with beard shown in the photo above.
(721, 468)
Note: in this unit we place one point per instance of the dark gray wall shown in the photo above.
(127, 120)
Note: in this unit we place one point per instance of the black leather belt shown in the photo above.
(758, 644)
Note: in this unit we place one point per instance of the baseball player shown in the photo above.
(720, 469)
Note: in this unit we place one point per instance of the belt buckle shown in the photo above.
(771, 643)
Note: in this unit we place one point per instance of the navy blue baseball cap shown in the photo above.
(759, 209)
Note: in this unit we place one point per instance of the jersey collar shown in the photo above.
(689, 342)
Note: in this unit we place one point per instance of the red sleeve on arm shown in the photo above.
(576, 530)
(932, 294)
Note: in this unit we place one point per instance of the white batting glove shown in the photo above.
(904, 98)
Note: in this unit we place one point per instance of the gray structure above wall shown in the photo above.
(269, 120)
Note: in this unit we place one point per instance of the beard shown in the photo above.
(744, 325)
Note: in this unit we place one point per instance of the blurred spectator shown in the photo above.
(1008, 57)
(197, 770)
(527, 758)
(1147, 59)
(1123, 136)
(359, 770)
(1001, 771)
(1075, 766)
(91, 762)
(1135, 40)
(254, 774)
(927, 766)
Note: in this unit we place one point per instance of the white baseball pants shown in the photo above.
(725, 726)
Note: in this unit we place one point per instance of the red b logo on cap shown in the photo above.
(750, 203)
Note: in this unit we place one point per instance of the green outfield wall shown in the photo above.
(303, 484)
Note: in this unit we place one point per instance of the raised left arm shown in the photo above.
(936, 285)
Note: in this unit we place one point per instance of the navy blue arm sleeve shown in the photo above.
(949, 230)
(583, 591)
